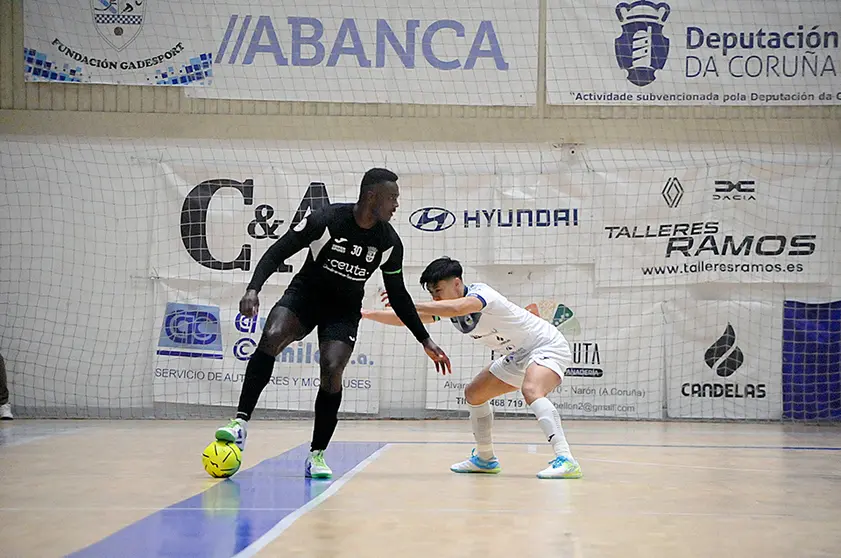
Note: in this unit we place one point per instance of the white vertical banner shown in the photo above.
(617, 365)
(680, 52)
(432, 52)
(724, 359)
(204, 343)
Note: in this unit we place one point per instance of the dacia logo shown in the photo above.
(740, 190)
(432, 219)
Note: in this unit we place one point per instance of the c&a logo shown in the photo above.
(191, 330)
(724, 357)
(264, 226)
(642, 49)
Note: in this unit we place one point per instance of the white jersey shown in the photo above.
(502, 325)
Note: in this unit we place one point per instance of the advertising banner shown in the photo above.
(376, 52)
(679, 52)
(204, 344)
(126, 42)
(724, 359)
(497, 219)
(214, 228)
(732, 224)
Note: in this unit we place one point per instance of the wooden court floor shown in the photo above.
(654, 490)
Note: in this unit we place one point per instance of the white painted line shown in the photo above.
(681, 466)
(20, 439)
(287, 521)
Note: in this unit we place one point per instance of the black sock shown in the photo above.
(257, 376)
(326, 418)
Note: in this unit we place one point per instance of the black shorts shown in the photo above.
(335, 321)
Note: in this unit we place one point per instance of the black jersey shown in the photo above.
(342, 255)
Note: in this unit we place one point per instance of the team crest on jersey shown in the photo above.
(468, 323)
(118, 21)
(372, 253)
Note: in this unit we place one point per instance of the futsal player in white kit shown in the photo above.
(536, 355)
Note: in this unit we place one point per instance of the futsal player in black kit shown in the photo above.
(347, 243)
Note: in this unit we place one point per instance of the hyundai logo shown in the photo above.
(432, 219)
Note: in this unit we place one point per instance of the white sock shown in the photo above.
(550, 422)
(482, 419)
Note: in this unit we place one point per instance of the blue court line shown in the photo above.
(607, 445)
(229, 517)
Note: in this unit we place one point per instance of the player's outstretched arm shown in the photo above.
(292, 242)
(451, 308)
(388, 317)
(285, 247)
(400, 299)
(404, 307)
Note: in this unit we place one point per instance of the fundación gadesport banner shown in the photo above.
(128, 42)
(683, 52)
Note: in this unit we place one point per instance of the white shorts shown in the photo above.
(511, 369)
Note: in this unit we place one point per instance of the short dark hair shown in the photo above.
(440, 269)
(376, 176)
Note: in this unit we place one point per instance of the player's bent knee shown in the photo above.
(274, 340)
(533, 391)
(282, 328)
(473, 394)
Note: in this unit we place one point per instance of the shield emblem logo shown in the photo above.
(118, 21)
(642, 49)
(372, 253)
